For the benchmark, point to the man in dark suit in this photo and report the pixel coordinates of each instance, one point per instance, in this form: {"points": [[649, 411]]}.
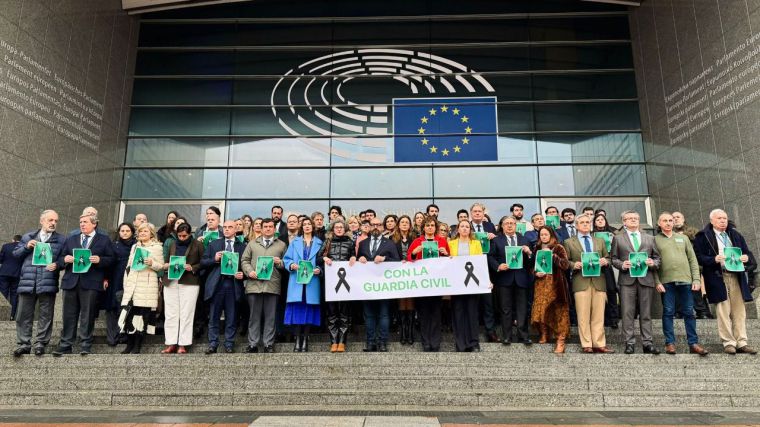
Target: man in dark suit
{"points": [[280, 227], [376, 248], [10, 268], [635, 292], [480, 225], [81, 290], [512, 285], [222, 291]]}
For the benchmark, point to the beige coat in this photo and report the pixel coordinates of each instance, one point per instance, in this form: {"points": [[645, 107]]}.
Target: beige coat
{"points": [[141, 287], [252, 252]]}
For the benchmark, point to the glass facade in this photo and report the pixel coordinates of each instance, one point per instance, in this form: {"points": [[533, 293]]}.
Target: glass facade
{"points": [[265, 102]]}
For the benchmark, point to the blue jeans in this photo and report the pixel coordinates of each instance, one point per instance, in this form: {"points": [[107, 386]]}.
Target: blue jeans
{"points": [[376, 316], [223, 300], [682, 292]]}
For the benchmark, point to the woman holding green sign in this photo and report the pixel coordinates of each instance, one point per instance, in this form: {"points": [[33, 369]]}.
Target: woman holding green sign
{"points": [[551, 310], [140, 300], [302, 307]]}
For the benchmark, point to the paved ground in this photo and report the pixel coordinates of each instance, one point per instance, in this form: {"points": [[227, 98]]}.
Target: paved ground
{"points": [[197, 418]]}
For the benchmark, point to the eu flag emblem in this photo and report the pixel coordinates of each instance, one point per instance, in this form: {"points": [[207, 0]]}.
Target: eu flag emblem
{"points": [[445, 129]]}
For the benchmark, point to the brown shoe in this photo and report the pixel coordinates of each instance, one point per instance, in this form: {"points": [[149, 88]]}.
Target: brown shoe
{"points": [[604, 349], [169, 349], [670, 348], [341, 348], [544, 338], [698, 349], [588, 350], [560, 347], [729, 349], [746, 350], [182, 350], [334, 348]]}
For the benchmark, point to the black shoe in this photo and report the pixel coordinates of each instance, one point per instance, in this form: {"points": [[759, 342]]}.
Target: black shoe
{"points": [[269, 349], [629, 349], [305, 344], [85, 351], [370, 348], [434, 349], [614, 325], [39, 351], [700, 316], [22, 351], [229, 350], [210, 350], [60, 352], [298, 344], [506, 342], [252, 349], [382, 347], [650, 349], [475, 349], [492, 337], [527, 342]]}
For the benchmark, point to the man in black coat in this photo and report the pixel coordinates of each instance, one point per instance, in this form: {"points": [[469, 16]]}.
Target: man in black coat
{"points": [[10, 268], [82, 290]]}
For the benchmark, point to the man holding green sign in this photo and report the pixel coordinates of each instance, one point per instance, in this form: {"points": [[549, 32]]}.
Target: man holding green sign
{"points": [[635, 255]]}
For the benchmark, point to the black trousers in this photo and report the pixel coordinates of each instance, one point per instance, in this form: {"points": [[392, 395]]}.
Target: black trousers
{"points": [[464, 310], [517, 297], [429, 310]]}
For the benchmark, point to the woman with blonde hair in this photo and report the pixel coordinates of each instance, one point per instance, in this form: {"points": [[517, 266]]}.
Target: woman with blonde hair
{"points": [[465, 307], [140, 300], [255, 231]]}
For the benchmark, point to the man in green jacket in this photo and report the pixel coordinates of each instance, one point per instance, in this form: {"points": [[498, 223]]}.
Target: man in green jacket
{"points": [[677, 277]]}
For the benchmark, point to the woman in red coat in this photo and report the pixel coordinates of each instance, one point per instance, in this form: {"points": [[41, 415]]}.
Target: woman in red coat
{"points": [[429, 308]]}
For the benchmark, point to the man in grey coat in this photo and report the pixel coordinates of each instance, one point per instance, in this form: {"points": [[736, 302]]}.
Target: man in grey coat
{"points": [[262, 294], [635, 290]]}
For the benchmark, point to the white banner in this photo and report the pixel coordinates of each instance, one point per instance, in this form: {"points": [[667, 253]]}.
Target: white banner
{"points": [[428, 277]]}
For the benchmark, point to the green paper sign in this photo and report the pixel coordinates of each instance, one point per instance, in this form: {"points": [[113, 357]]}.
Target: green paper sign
{"points": [[138, 261], [522, 227], [591, 265], [264, 267], [552, 221], [544, 261], [240, 238], [209, 236], [733, 261], [230, 262], [514, 257], [43, 255], [82, 261], [305, 272], [176, 267], [607, 237], [639, 265], [485, 244], [429, 249]]}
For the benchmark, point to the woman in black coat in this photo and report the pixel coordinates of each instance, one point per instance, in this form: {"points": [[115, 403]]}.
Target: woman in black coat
{"points": [[338, 247], [121, 248], [612, 308]]}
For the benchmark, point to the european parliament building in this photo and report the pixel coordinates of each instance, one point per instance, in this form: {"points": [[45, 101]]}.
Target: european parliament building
{"points": [[147, 106]]}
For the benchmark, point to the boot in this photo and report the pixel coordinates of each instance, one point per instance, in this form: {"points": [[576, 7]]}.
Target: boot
{"points": [[404, 328], [130, 344], [544, 334], [139, 336], [410, 328], [305, 343], [560, 348], [332, 328], [297, 346]]}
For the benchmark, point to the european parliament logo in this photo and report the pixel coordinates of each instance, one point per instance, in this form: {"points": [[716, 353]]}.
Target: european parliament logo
{"points": [[445, 129]]}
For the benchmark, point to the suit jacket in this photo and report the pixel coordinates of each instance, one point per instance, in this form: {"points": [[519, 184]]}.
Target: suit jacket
{"points": [[10, 266], [487, 227], [622, 246], [214, 268], [574, 251], [386, 248], [282, 231], [522, 277], [92, 280], [706, 248], [294, 255], [562, 234]]}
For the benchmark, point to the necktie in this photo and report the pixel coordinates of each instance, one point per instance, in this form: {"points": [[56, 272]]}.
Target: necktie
{"points": [[724, 237], [229, 246], [587, 243], [85, 241], [479, 228], [635, 238], [572, 230], [512, 241], [375, 244], [266, 243]]}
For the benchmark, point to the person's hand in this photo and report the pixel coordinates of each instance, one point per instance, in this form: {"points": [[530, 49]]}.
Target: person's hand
{"points": [[239, 275], [317, 271], [277, 260], [503, 267], [578, 265], [540, 274], [200, 239], [31, 244], [650, 262], [68, 259], [696, 286], [363, 260], [105, 285], [51, 267], [417, 250], [351, 261], [253, 275], [293, 267], [526, 250], [149, 262], [96, 259], [626, 265], [218, 256], [327, 261], [744, 258], [720, 258], [604, 263], [490, 285], [379, 259], [660, 288], [188, 267], [491, 236]]}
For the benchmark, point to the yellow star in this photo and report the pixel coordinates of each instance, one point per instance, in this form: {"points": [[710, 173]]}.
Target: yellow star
{"points": [[467, 129], [455, 111], [465, 140], [444, 109], [434, 149], [424, 141], [421, 131], [457, 149], [465, 119], [424, 120], [432, 111], [445, 152]]}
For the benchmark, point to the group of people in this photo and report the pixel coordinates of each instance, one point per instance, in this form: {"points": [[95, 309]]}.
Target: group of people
{"points": [[261, 276]]}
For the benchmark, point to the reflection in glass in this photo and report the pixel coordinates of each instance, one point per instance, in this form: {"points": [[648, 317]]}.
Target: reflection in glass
{"points": [[269, 152], [592, 180], [495, 208], [510, 181], [177, 152], [279, 183], [380, 183], [179, 121], [613, 208], [588, 116], [590, 148], [263, 208], [174, 184]]}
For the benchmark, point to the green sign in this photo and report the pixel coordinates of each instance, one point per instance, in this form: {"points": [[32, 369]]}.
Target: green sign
{"points": [[590, 264], [639, 265], [522, 227], [240, 238], [552, 221], [264, 267], [544, 261], [43, 255], [514, 257], [485, 243], [176, 267], [429, 249], [305, 272], [607, 237], [230, 262], [209, 236], [82, 261], [138, 261], [733, 259]]}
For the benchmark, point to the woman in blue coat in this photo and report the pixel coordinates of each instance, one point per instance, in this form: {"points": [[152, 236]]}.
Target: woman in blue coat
{"points": [[112, 305], [302, 308]]}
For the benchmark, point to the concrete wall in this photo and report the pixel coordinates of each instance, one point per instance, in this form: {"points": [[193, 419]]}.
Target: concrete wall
{"points": [[66, 71], [699, 84]]}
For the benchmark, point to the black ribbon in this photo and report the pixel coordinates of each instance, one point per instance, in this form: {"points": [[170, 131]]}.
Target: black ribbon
{"points": [[470, 275], [342, 280]]}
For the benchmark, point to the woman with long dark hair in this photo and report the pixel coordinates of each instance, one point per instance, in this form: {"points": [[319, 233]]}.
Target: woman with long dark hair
{"points": [[338, 247], [112, 305], [551, 312], [612, 307], [403, 236], [168, 227]]}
